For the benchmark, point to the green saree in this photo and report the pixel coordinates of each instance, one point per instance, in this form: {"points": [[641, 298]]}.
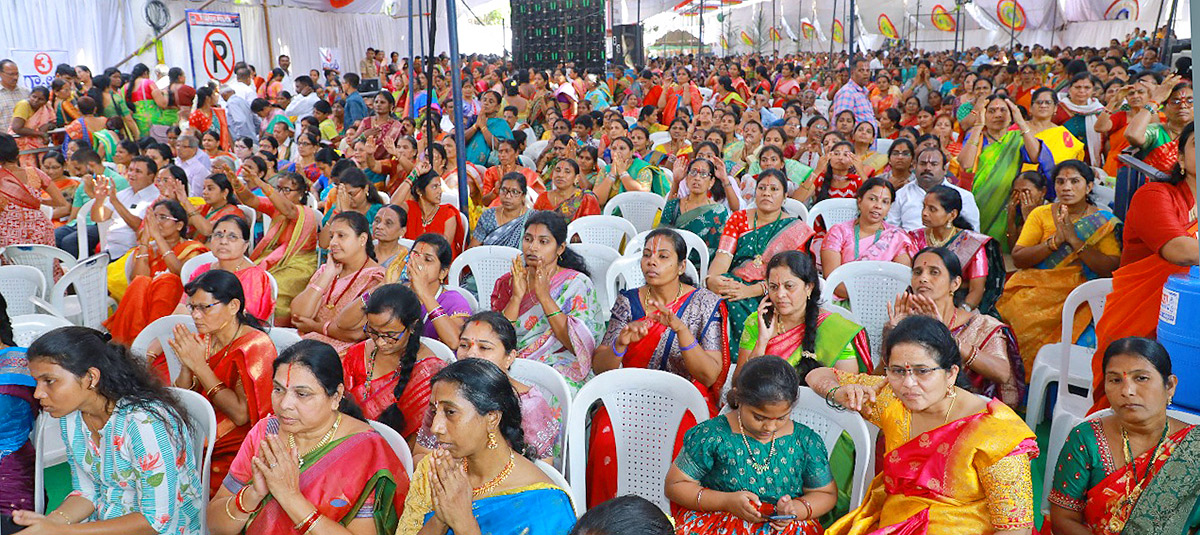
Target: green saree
{"points": [[996, 167]]}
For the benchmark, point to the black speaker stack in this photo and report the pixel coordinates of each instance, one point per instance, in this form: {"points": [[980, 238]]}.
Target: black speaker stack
{"points": [[547, 33], [627, 45]]}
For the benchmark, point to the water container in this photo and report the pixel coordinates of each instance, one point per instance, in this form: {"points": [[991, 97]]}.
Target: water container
{"points": [[1179, 332]]}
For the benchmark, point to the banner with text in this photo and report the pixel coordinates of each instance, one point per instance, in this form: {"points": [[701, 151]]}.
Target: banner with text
{"points": [[215, 45], [37, 66]]}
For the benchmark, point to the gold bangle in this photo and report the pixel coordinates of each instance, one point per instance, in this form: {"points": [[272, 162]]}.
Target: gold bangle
{"points": [[698, 495], [63, 515], [230, 513], [215, 388]]}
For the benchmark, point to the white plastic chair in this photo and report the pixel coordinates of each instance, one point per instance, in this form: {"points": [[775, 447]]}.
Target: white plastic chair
{"points": [[39, 256], [163, 330], [559, 481], [812, 411], [794, 207], [554, 388], [645, 407], [397, 443], [638, 207], [842, 311], [695, 244], [658, 138], [1105, 196], [49, 450], [204, 434], [487, 263], [85, 248], [468, 296], [89, 306], [20, 285], [834, 211], [535, 149], [630, 121], [607, 230], [194, 263], [871, 285], [439, 349], [251, 217], [1064, 362], [29, 327], [283, 337], [626, 273], [598, 259]]}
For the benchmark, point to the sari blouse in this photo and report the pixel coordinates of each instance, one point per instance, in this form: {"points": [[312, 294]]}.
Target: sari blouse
{"points": [[490, 232], [1040, 225], [983, 334], [415, 226], [704, 221], [971, 475], [256, 286], [144, 464], [582, 203], [342, 293], [884, 245], [837, 339], [376, 395], [1158, 213], [974, 264]]}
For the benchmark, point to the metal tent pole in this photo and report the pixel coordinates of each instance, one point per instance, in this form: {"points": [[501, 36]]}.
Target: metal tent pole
{"points": [[1164, 55], [412, 82], [460, 155], [831, 25]]}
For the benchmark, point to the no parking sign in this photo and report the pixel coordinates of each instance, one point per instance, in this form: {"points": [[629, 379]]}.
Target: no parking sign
{"points": [[215, 44]]}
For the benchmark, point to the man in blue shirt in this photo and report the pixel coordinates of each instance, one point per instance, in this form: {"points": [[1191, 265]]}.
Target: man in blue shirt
{"points": [[356, 107], [1149, 63]]}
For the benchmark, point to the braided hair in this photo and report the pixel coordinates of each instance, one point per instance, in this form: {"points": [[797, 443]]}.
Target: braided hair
{"points": [[401, 304]]}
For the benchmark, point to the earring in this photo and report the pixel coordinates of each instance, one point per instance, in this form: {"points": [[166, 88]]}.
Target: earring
{"points": [[491, 443], [951, 392]]}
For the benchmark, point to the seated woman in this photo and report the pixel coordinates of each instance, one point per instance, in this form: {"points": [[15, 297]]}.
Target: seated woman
{"points": [[21, 408], [226, 359], [839, 178], [479, 476], [1029, 192], [504, 224], [387, 374], [1062, 245], [154, 288], [1160, 241], [387, 229], [979, 482], [738, 271], [116, 419], [700, 211], [668, 324], [567, 198], [507, 151], [901, 157], [230, 242], [992, 364], [219, 201], [551, 301], [745, 150], [339, 284], [868, 236], [723, 490], [864, 136], [490, 336], [978, 254], [1125, 472], [352, 193], [426, 213], [629, 173], [288, 248], [314, 463], [799, 176]]}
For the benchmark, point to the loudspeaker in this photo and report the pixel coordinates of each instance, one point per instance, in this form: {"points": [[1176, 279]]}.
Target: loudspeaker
{"points": [[627, 45]]}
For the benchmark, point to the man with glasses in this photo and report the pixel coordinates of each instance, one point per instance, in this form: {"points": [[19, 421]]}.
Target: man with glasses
{"points": [[195, 163], [910, 199], [130, 204]]}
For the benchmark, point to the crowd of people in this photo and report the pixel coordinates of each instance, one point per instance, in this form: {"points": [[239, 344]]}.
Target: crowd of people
{"points": [[338, 215]]}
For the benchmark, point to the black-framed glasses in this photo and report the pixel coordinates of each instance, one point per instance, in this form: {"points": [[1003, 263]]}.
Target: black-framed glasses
{"points": [[203, 309], [899, 373], [509, 192], [390, 336]]}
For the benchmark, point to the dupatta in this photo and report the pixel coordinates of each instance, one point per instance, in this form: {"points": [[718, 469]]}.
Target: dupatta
{"points": [[377, 395], [13, 190], [508, 234], [834, 333], [304, 232], [1110, 502], [756, 247], [1168, 502], [246, 360]]}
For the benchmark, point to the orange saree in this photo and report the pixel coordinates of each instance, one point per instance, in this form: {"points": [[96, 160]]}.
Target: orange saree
{"points": [[150, 297]]}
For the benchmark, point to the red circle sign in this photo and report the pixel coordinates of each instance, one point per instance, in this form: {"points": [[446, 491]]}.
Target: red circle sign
{"points": [[217, 51], [42, 63]]}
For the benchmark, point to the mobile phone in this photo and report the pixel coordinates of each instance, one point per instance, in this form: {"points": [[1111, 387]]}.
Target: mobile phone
{"points": [[272, 425], [781, 517], [769, 314]]}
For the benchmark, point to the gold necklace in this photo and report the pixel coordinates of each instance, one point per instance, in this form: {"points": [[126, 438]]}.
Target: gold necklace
{"points": [[496, 481], [324, 440], [754, 464], [934, 242], [944, 421]]}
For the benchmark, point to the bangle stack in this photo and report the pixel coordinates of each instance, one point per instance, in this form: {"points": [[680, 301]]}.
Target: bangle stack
{"points": [[237, 502], [309, 521], [215, 388], [806, 506], [829, 399], [436, 313]]}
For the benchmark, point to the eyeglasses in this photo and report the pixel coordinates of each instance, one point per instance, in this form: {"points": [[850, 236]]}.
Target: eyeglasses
{"points": [[162, 217], [285, 190], [306, 144], [902, 153], [390, 336], [898, 373], [510, 192], [203, 309], [1179, 101], [1043, 103], [227, 236], [697, 172]]}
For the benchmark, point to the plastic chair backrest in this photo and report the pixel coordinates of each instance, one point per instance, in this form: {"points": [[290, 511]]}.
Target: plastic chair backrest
{"points": [[85, 248], [90, 279], [18, 284], [794, 207], [638, 207], [607, 230], [598, 259], [554, 388], [1094, 293], [695, 244], [283, 337], [534, 149], [871, 286], [833, 211], [645, 407], [658, 138], [251, 217], [162, 329], [812, 411], [560, 481], [626, 273], [487, 263], [38, 256], [439, 349], [468, 296], [49, 450], [28, 327], [840, 310], [397, 442], [204, 436]]}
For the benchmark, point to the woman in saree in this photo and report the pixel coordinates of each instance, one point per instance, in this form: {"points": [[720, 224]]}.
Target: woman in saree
{"points": [[353, 192], [1160, 241], [678, 144], [507, 152], [1062, 245], [288, 248], [313, 463], [479, 480], [219, 201], [387, 229], [1078, 114], [629, 173], [901, 157], [864, 136], [230, 250], [87, 126], [21, 218], [567, 198], [681, 99], [1057, 139], [388, 374], [227, 358], [210, 143], [383, 126], [426, 213], [154, 286], [488, 129], [504, 224], [1127, 471], [551, 301], [339, 284], [993, 153], [669, 324], [839, 177], [722, 491], [978, 481], [146, 99], [884, 95], [979, 255], [749, 239], [700, 211], [1157, 142], [208, 117], [868, 236], [745, 150], [32, 121]]}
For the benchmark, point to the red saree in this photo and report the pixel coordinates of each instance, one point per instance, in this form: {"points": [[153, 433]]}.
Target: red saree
{"points": [[215, 215], [150, 297], [246, 360], [377, 395]]}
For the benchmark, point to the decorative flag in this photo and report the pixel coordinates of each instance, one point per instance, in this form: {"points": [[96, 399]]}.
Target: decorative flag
{"points": [[724, 43], [788, 28], [747, 39], [838, 36], [942, 19], [887, 28], [1122, 10], [1011, 14], [808, 30], [774, 34]]}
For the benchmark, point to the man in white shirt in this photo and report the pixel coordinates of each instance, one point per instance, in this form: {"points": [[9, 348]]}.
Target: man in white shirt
{"points": [[243, 85], [194, 162], [129, 205], [301, 105], [910, 199]]}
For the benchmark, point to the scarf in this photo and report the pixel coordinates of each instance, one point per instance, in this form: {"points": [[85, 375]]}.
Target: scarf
{"points": [[1090, 111]]}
